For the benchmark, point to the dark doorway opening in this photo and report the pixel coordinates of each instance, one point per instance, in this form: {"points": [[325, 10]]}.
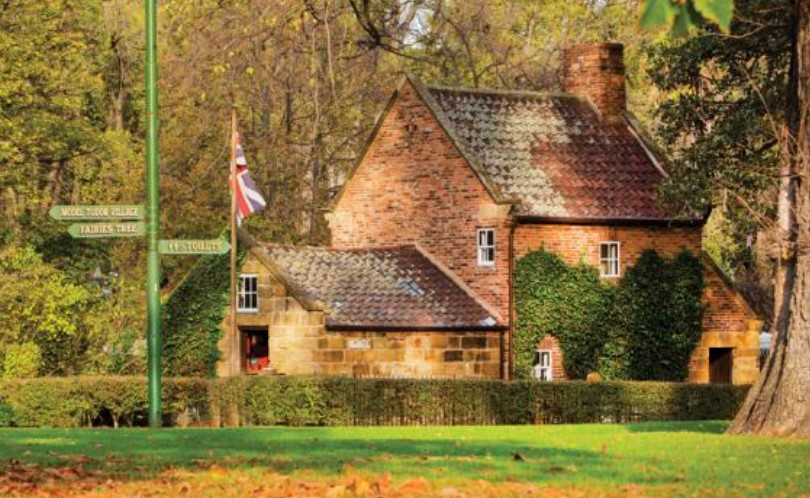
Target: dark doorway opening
{"points": [[256, 350], [721, 361]]}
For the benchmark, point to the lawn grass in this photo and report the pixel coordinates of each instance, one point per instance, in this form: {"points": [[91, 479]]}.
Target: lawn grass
{"points": [[654, 459]]}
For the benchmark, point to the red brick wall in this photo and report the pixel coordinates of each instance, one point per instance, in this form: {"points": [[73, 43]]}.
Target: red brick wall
{"points": [[725, 309], [550, 343], [576, 243], [414, 186]]}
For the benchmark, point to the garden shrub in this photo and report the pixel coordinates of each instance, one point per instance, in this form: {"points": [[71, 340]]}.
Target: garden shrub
{"points": [[569, 303], [21, 360], [290, 400], [6, 414], [84, 401]]}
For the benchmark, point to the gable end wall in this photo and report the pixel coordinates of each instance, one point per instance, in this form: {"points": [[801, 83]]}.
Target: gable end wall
{"points": [[413, 186]]}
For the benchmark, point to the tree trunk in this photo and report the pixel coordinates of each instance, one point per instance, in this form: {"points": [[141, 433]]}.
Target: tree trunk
{"points": [[779, 403]]}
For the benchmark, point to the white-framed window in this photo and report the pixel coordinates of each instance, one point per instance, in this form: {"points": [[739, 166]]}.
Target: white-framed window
{"points": [[609, 259], [543, 364], [486, 247], [248, 295]]}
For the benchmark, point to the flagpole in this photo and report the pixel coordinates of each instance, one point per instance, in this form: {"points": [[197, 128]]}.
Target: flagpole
{"points": [[233, 349]]}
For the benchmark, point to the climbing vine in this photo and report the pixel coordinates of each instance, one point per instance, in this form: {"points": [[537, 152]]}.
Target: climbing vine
{"points": [[644, 328], [656, 319], [193, 317], [569, 303]]}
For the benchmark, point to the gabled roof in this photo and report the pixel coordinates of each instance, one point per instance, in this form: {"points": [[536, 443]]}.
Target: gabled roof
{"points": [[393, 288], [555, 153], [550, 154]]}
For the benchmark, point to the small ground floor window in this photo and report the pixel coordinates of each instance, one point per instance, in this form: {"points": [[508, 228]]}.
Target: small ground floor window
{"points": [[542, 365], [256, 350]]}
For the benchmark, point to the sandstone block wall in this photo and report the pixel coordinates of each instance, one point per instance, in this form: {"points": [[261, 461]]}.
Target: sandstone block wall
{"points": [[299, 343]]}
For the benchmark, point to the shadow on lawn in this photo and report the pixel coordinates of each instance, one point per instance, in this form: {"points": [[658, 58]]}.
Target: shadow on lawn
{"points": [[135, 455], [704, 426]]}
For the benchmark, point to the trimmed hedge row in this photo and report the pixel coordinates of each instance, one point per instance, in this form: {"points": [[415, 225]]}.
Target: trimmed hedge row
{"points": [[297, 401]]}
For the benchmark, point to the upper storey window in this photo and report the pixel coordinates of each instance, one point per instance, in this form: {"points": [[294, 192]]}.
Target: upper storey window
{"points": [[609, 259], [486, 247]]}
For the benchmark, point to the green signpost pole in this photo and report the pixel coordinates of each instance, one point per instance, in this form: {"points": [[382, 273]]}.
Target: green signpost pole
{"points": [[153, 334]]}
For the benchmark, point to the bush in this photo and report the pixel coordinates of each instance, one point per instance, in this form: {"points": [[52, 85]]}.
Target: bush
{"points": [[88, 401], [6, 415], [21, 360], [84, 401]]}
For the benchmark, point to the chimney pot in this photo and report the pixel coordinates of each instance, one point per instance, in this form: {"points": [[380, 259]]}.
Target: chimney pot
{"points": [[596, 71]]}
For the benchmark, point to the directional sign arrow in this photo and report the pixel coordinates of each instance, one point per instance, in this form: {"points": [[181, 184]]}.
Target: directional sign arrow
{"points": [[178, 246], [97, 213], [111, 229]]}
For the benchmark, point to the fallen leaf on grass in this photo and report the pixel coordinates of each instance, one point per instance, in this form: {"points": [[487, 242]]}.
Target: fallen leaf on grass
{"points": [[80, 458], [450, 492], [413, 486], [336, 491]]}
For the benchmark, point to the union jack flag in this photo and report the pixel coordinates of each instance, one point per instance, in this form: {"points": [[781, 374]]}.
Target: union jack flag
{"points": [[248, 198]]}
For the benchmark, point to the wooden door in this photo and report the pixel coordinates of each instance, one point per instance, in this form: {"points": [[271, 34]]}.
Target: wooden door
{"points": [[720, 365]]}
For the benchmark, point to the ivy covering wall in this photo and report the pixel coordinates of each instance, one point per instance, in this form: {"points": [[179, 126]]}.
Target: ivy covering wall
{"points": [[193, 315], [567, 302], [644, 327]]}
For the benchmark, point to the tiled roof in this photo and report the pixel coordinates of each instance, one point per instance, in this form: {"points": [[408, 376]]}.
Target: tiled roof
{"points": [[552, 153], [384, 287]]}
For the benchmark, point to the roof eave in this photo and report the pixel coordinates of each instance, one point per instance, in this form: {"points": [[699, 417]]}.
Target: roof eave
{"points": [[617, 221], [414, 328]]}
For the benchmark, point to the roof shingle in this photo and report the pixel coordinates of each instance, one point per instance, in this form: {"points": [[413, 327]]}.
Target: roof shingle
{"points": [[394, 287], [553, 153]]}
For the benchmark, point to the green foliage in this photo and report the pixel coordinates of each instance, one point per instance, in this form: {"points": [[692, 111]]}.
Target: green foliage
{"points": [[332, 401], [657, 319], [21, 360], [720, 121], [645, 328], [39, 305], [6, 413], [569, 303], [51, 94], [683, 15], [193, 315], [85, 401]]}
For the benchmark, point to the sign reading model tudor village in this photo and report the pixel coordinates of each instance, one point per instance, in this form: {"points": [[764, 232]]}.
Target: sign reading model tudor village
{"points": [[97, 213]]}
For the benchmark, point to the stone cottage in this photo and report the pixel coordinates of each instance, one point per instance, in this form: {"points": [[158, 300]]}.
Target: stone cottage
{"points": [[456, 185]]}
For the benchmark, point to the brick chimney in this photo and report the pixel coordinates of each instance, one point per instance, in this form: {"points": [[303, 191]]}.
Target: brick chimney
{"points": [[596, 71]]}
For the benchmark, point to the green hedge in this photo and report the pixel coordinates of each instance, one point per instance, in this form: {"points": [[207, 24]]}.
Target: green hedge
{"points": [[88, 401], [298, 401]]}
